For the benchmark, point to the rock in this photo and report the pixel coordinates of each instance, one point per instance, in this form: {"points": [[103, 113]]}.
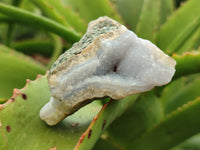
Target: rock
{"points": [[109, 60]]}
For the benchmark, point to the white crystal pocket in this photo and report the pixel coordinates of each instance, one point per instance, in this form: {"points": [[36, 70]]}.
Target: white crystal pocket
{"points": [[109, 60]]}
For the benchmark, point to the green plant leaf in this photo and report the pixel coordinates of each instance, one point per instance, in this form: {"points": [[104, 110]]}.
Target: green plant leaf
{"points": [[166, 9], [34, 46], [21, 127], [142, 115], [130, 11], [187, 89], [192, 43], [173, 129], [187, 63], [51, 12], [34, 20], [44, 47], [169, 130], [3, 31], [73, 18], [145, 15], [180, 27], [15, 69], [184, 36], [57, 11], [192, 143], [90, 9], [57, 49], [103, 144], [106, 116], [149, 19]]}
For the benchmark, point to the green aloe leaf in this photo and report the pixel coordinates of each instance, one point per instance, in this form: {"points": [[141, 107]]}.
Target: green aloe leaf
{"points": [[34, 46], [192, 43], [57, 48], [15, 69], [149, 19], [192, 143], [183, 37], [187, 89], [64, 15], [142, 115], [143, 13], [34, 20], [50, 11], [44, 47], [130, 11], [173, 129], [180, 27], [21, 127], [166, 9], [3, 32], [169, 130], [90, 9], [70, 16], [105, 117], [103, 144], [187, 63]]}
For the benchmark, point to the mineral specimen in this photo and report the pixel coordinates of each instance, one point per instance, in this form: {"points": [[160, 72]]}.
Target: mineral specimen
{"points": [[109, 60]]}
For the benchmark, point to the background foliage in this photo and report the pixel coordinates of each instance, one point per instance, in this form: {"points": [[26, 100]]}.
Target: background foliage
{"points": [[33, 33]]}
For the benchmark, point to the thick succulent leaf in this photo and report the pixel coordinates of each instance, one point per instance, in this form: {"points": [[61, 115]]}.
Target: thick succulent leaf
{"points": [[90, 9], [71, 17], [28, 5], [15, 69], [192, 143], [21, 127], [106, 116], [3, 30], [50, 11], [192, 43], [173, 129], [170, 131], [23, 33], [57, 49], [166, 9], [149, 19], [187, 63], [180, 27], [44, 47], [64, 15], [103, 144], [144, 13], [187, 89], [33, 46], [183, 37], [130, 11], [26, 17], [140, 116]]}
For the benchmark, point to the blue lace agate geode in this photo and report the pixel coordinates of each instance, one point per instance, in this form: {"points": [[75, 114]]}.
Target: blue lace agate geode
{"points": [[109, 60]]}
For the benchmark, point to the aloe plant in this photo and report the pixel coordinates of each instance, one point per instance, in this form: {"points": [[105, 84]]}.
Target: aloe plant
{"points": [[163, 118]]}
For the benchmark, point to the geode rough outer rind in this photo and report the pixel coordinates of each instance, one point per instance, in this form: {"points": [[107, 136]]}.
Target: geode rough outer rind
{"points": [[109, 60]]}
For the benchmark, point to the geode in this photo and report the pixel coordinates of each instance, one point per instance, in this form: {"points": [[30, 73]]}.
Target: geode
{"points": [[109, 60]]}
